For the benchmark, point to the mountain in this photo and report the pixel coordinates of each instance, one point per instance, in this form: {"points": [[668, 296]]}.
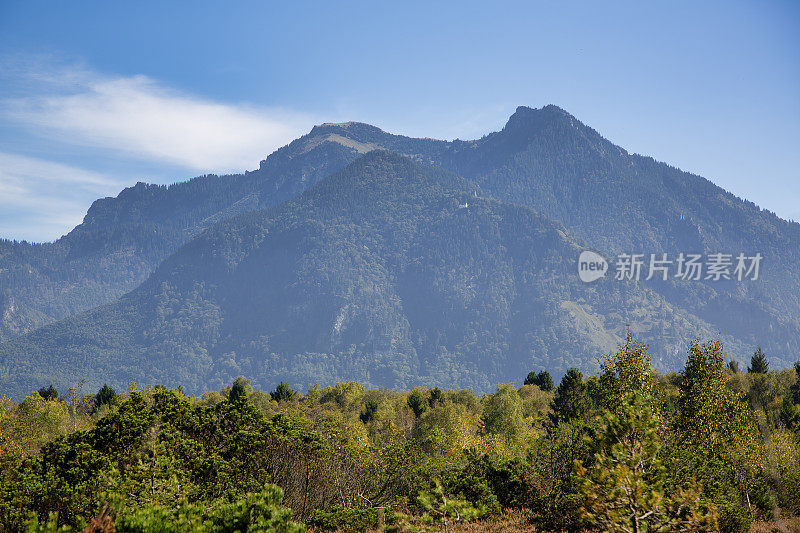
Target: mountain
{"points": [[618, 202], [294, 272], [389, 272], [123, 239]]}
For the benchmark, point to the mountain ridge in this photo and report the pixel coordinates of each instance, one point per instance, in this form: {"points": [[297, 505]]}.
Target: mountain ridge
{"points": [[377, 273], [543, 159]]}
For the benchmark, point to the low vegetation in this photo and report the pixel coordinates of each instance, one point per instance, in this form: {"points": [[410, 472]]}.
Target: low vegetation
{"points": [[627, 450]]}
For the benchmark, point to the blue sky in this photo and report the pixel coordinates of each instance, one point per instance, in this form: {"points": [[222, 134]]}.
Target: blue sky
{"points": [[97, 98]]}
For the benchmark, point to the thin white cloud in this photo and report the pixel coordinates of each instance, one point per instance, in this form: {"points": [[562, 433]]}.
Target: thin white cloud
{"points": [[139, 117], [41, 200], [136, 122]]}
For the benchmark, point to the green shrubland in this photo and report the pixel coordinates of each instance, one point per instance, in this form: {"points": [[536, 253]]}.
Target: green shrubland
{"points": [[627, 450]]}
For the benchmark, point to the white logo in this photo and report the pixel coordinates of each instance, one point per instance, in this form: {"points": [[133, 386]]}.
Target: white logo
{"points": [[591, 266], [634, 267]]}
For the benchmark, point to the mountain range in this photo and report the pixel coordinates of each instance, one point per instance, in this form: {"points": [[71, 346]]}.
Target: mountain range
{"points": [[352, 253]]}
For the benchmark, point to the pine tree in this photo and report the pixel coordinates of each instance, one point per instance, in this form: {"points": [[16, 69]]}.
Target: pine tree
{"points": [[105, 396], [571, 401], [758, 363], [541, 379], [624, 488], [282, 393]]}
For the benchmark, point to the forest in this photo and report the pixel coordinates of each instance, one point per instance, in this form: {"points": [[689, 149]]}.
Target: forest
{"points": [[712, 447]]}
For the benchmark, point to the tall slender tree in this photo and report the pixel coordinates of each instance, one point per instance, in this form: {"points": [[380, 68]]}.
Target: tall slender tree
{"points": [[571, 401], [758, 363]]}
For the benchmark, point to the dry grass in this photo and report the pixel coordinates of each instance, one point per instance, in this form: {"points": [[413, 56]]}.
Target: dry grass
{"points": [[779, 525], [519, 520], [508, 522]]}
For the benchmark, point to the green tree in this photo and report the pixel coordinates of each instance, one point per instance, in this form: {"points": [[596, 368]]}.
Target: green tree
{"points": [[282, 393], [416, 401], [502, 412], [445, 429], [790, 414], [541, 379], [240, 389], [105, 396], [370, 408], [435, 397], [571, 401], [237, 393], [715, 425], [794, 388], [758, 363], [624, 488], [790, 410], [710, 413], [627, 370], [48, 393]]}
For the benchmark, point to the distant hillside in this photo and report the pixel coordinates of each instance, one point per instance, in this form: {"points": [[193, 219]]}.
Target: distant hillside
{"points": [[617, 202], [544, 163], [123, 239], [387, 272]]}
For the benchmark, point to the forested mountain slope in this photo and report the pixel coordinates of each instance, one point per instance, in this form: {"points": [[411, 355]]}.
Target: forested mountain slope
{"points": [[616, 202], [123, 239], [597, 194], [390, 272]]}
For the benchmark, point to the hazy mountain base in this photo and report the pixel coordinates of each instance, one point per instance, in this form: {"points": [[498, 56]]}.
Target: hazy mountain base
{"points": [[377, 274]]}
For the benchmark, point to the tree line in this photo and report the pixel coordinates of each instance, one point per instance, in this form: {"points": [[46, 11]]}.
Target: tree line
{"points": [[628, 449]]}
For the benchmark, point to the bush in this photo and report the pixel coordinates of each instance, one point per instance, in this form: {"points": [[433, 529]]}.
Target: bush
{"points": [[349, 520], [257, 512]]}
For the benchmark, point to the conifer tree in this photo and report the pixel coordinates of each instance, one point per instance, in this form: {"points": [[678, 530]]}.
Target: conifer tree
{"points": [[571, 401], [624, 488], [541, 379], [758, 363]]}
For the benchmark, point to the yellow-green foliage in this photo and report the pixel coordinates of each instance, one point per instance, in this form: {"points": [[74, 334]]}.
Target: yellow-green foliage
{"points": [[627, 371], [446, 429], [623, 489], [712, 415], [692, 446]]}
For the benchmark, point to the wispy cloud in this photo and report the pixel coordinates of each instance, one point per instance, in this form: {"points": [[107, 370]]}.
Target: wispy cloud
{"points": [[142, 118], [41, 200], [132, 123]]}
